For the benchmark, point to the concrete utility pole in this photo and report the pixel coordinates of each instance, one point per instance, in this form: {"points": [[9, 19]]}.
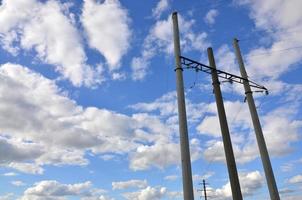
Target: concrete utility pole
{"points": [[269, 174], [233, 175], [183, 129]]}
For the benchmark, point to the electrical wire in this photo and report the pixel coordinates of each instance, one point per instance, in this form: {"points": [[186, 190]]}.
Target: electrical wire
{"points": [[201, 5], [228, 62], [196, 77], [275, 51], [292, 30]]}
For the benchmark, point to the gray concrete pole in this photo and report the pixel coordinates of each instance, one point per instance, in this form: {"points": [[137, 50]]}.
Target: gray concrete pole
{"points": [[227, 143], [183, 129], [269, 174]]}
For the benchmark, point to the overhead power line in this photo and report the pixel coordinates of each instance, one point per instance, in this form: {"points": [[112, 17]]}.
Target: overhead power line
{"points": [[212, 4], [275, 51]]}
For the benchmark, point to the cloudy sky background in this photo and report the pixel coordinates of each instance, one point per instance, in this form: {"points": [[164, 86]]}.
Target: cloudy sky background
{"points": [[88, 105]]}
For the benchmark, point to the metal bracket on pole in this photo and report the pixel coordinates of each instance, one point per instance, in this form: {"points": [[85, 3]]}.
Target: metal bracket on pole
{"points": [[192, 64]]}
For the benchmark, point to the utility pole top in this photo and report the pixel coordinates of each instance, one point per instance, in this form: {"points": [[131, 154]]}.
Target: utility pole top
{"points": [[235, 39]]}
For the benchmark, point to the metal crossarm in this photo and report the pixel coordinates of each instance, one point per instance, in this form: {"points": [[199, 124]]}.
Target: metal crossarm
{"points": [[192, 64]]}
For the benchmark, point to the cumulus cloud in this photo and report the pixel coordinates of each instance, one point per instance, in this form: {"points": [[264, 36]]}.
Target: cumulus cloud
{"points": [[237, 113], [161, 6], [275, 125], [18, 183], [9, 196], [33, 25], [211, 16], [160, 40], [104, 22], [250, 182], [296, 179], [10, 174], [146, 156], [149, 193], [17, 152], [199, 178], [50, 190], [280, 20], [26, 167], [60, 132], [121, 185], [166, 107], [171, 177]]}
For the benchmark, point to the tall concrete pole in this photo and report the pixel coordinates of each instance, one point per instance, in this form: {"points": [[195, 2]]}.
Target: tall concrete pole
{"points": [[227, 143], [269, 174], [182, 117]]}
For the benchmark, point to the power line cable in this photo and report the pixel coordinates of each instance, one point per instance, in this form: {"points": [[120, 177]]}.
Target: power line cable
{"points": [[201, 5], [275, 51], [228, 62], [293, 30]]}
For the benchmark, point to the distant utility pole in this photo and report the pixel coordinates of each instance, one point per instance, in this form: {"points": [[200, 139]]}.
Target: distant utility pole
{"points": [[204, 189], [227, 143], [182, 117], [269, 174]]}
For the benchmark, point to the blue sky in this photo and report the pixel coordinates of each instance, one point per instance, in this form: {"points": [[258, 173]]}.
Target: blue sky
{"points": [[88, 104]]}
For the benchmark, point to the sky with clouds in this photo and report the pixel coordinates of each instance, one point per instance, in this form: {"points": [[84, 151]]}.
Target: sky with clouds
{"points": [[88, 105]]}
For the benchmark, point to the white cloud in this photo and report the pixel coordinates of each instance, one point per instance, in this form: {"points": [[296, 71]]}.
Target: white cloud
{"points": [[278, 123], [160, 40], [161, 7], [292, 197], [175, 195], [18, 183], [31, 168], [287, 167], [9, 196], [275, 125], [17, 152], [39, 26], [250, 182], [149, 193], [147, 156], [50, 189], [199, 178], [237, 114], [121, 185], [10, 174], [107, 28], [211, 16], [166, 107], [171, 177], [295, 179], [280, 20], [59, 132], [241, 129], [107, 157], [118, 76]]}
